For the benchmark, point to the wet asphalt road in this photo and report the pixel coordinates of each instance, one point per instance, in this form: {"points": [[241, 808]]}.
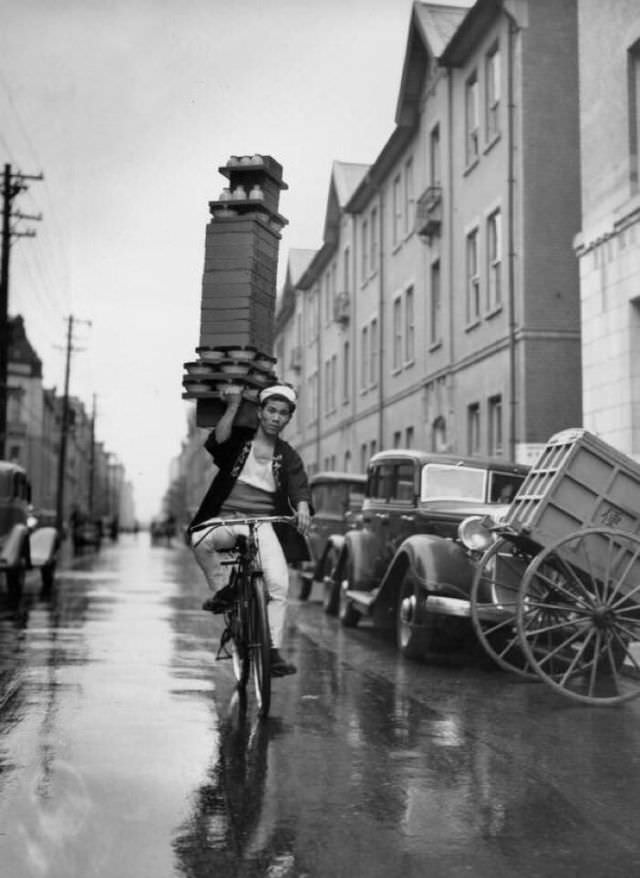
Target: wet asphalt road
{"points": [[123, 753]]}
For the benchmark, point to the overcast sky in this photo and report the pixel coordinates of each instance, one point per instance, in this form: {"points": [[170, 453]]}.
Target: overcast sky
{"points": [[129, 107]]}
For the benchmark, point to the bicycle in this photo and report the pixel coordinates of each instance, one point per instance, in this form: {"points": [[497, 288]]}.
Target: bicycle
{"points": [[247, 623]]}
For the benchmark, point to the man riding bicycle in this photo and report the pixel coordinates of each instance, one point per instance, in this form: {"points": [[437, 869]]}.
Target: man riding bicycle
{"points": [[258, 474]]}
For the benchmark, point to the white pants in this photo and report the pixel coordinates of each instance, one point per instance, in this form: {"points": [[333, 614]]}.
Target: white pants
{"points": [[272, 561]]}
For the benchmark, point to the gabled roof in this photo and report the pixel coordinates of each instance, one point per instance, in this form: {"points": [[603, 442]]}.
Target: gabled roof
{"points": [[345, 178], [431, 28], [297, 263], [20, 349]]}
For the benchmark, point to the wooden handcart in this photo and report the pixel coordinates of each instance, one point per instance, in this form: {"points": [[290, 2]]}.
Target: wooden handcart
{"points": [[557, 595]]}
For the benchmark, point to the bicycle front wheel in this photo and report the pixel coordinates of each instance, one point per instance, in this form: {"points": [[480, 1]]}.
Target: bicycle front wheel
{"points": [[260, 645]]}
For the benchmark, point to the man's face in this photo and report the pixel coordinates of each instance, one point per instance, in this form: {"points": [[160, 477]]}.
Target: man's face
{"points": [[273, 416]]}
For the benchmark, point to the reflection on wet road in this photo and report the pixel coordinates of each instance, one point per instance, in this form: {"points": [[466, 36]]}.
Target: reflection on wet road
{"points": [[124, 751]]}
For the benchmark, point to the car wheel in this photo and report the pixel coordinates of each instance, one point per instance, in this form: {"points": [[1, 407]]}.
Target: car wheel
{"points": [[47, 575], [349, 616], [331, 582], [413, 639], [15, 581], [330, 596], [305, 584]]}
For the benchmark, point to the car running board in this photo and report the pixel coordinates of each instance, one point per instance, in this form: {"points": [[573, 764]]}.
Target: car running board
{"points": [[362, 599]]}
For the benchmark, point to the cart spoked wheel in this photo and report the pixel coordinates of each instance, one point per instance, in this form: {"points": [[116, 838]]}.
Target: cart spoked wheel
{"points": [[494, 604], [579, 615]]}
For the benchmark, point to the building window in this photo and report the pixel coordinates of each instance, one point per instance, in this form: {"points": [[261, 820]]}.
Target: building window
{"points": [[473, 428], [493, 93], [397, 439], [346, 371], [473, 278], [435, 304], [346, 266], [373, 447], [364, 457], [435, 170], [472, 125], [495, 425], [409, 326], [373, 228], [373, 352], [409, 197], [408, 438], [397, 333], [327, 298], [312, 396], [364, 248], [397, 210], [494, 258], [364, 357]]}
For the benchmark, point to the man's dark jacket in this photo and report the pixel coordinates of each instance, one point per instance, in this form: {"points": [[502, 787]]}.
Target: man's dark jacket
{"points": [[289, 475]]}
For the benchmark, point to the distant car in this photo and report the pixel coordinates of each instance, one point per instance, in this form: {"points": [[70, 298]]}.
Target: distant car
{"points": [[337, 500], [24, 544], [405, 567]]}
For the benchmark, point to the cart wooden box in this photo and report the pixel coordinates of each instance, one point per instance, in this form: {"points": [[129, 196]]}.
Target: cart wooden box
{"points": [[579, 481]]}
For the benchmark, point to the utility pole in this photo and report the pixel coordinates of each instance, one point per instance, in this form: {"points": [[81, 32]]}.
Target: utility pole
{"points": [[62, 454], [64, 426], [13, 183], [92, 458]]}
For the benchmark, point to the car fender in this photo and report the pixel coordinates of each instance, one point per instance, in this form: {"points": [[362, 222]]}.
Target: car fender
{"points": [[360, 547], [437, 565], [16, 547], [334, 542], [43, 545]]}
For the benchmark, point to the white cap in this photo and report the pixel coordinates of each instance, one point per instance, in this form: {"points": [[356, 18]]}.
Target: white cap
{"points": [[282, 390]]}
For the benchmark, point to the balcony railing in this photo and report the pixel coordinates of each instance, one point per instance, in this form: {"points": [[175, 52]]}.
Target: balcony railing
{"points": [[429, 212], [341, 308]]}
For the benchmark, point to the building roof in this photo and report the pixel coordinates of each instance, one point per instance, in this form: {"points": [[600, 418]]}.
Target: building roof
{"points": [[467, 36], [297, 263], [20, 349], [346, 177], [431, 28], [298, 260]]}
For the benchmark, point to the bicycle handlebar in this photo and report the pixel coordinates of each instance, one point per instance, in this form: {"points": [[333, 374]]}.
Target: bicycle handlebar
{"points": [[253, 519]]}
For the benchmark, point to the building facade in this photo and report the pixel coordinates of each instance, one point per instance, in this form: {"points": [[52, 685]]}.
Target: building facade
{"points": [[442, 310], [608, 245]]}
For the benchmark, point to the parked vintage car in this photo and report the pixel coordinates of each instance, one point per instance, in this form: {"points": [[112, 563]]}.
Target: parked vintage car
{"points": [[337, 500], [24, 542], [405, 567]]}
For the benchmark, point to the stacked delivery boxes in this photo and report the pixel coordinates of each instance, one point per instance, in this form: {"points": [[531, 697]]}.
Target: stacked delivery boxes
{"points": [[238, 290]]}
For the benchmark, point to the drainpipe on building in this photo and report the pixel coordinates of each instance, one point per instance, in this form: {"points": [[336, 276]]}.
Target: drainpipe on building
{"points": [[319, 381], [451, 417], [381, 329], [511, 236]]}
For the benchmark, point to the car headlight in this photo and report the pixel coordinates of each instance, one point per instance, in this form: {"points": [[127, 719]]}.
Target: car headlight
{"points": [[475, 534], [32, 522]]}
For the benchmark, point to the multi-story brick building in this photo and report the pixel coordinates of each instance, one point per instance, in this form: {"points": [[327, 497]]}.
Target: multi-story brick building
{"points": [[442, 310], [608, 246]]}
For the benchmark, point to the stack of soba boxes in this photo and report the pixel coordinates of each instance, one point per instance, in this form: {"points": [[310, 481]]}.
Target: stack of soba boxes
{"points": [[238, 291]]}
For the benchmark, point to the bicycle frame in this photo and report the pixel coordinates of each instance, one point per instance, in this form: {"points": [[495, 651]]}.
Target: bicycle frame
{"points": [[247, 623]]}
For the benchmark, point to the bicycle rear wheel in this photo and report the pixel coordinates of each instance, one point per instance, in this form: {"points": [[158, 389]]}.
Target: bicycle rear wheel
{"points": [[260, 645]]}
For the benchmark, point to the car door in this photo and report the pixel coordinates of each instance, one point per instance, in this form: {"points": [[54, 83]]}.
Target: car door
{"points": [[389, 507]]}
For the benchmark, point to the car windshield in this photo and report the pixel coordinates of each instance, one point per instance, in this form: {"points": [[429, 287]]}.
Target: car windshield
{"points": [[332, 499], [445, 482]]}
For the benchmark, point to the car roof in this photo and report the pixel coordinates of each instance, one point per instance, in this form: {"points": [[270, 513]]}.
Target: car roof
{"points": [[7, 466], [335, 476], [422, 457]]}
